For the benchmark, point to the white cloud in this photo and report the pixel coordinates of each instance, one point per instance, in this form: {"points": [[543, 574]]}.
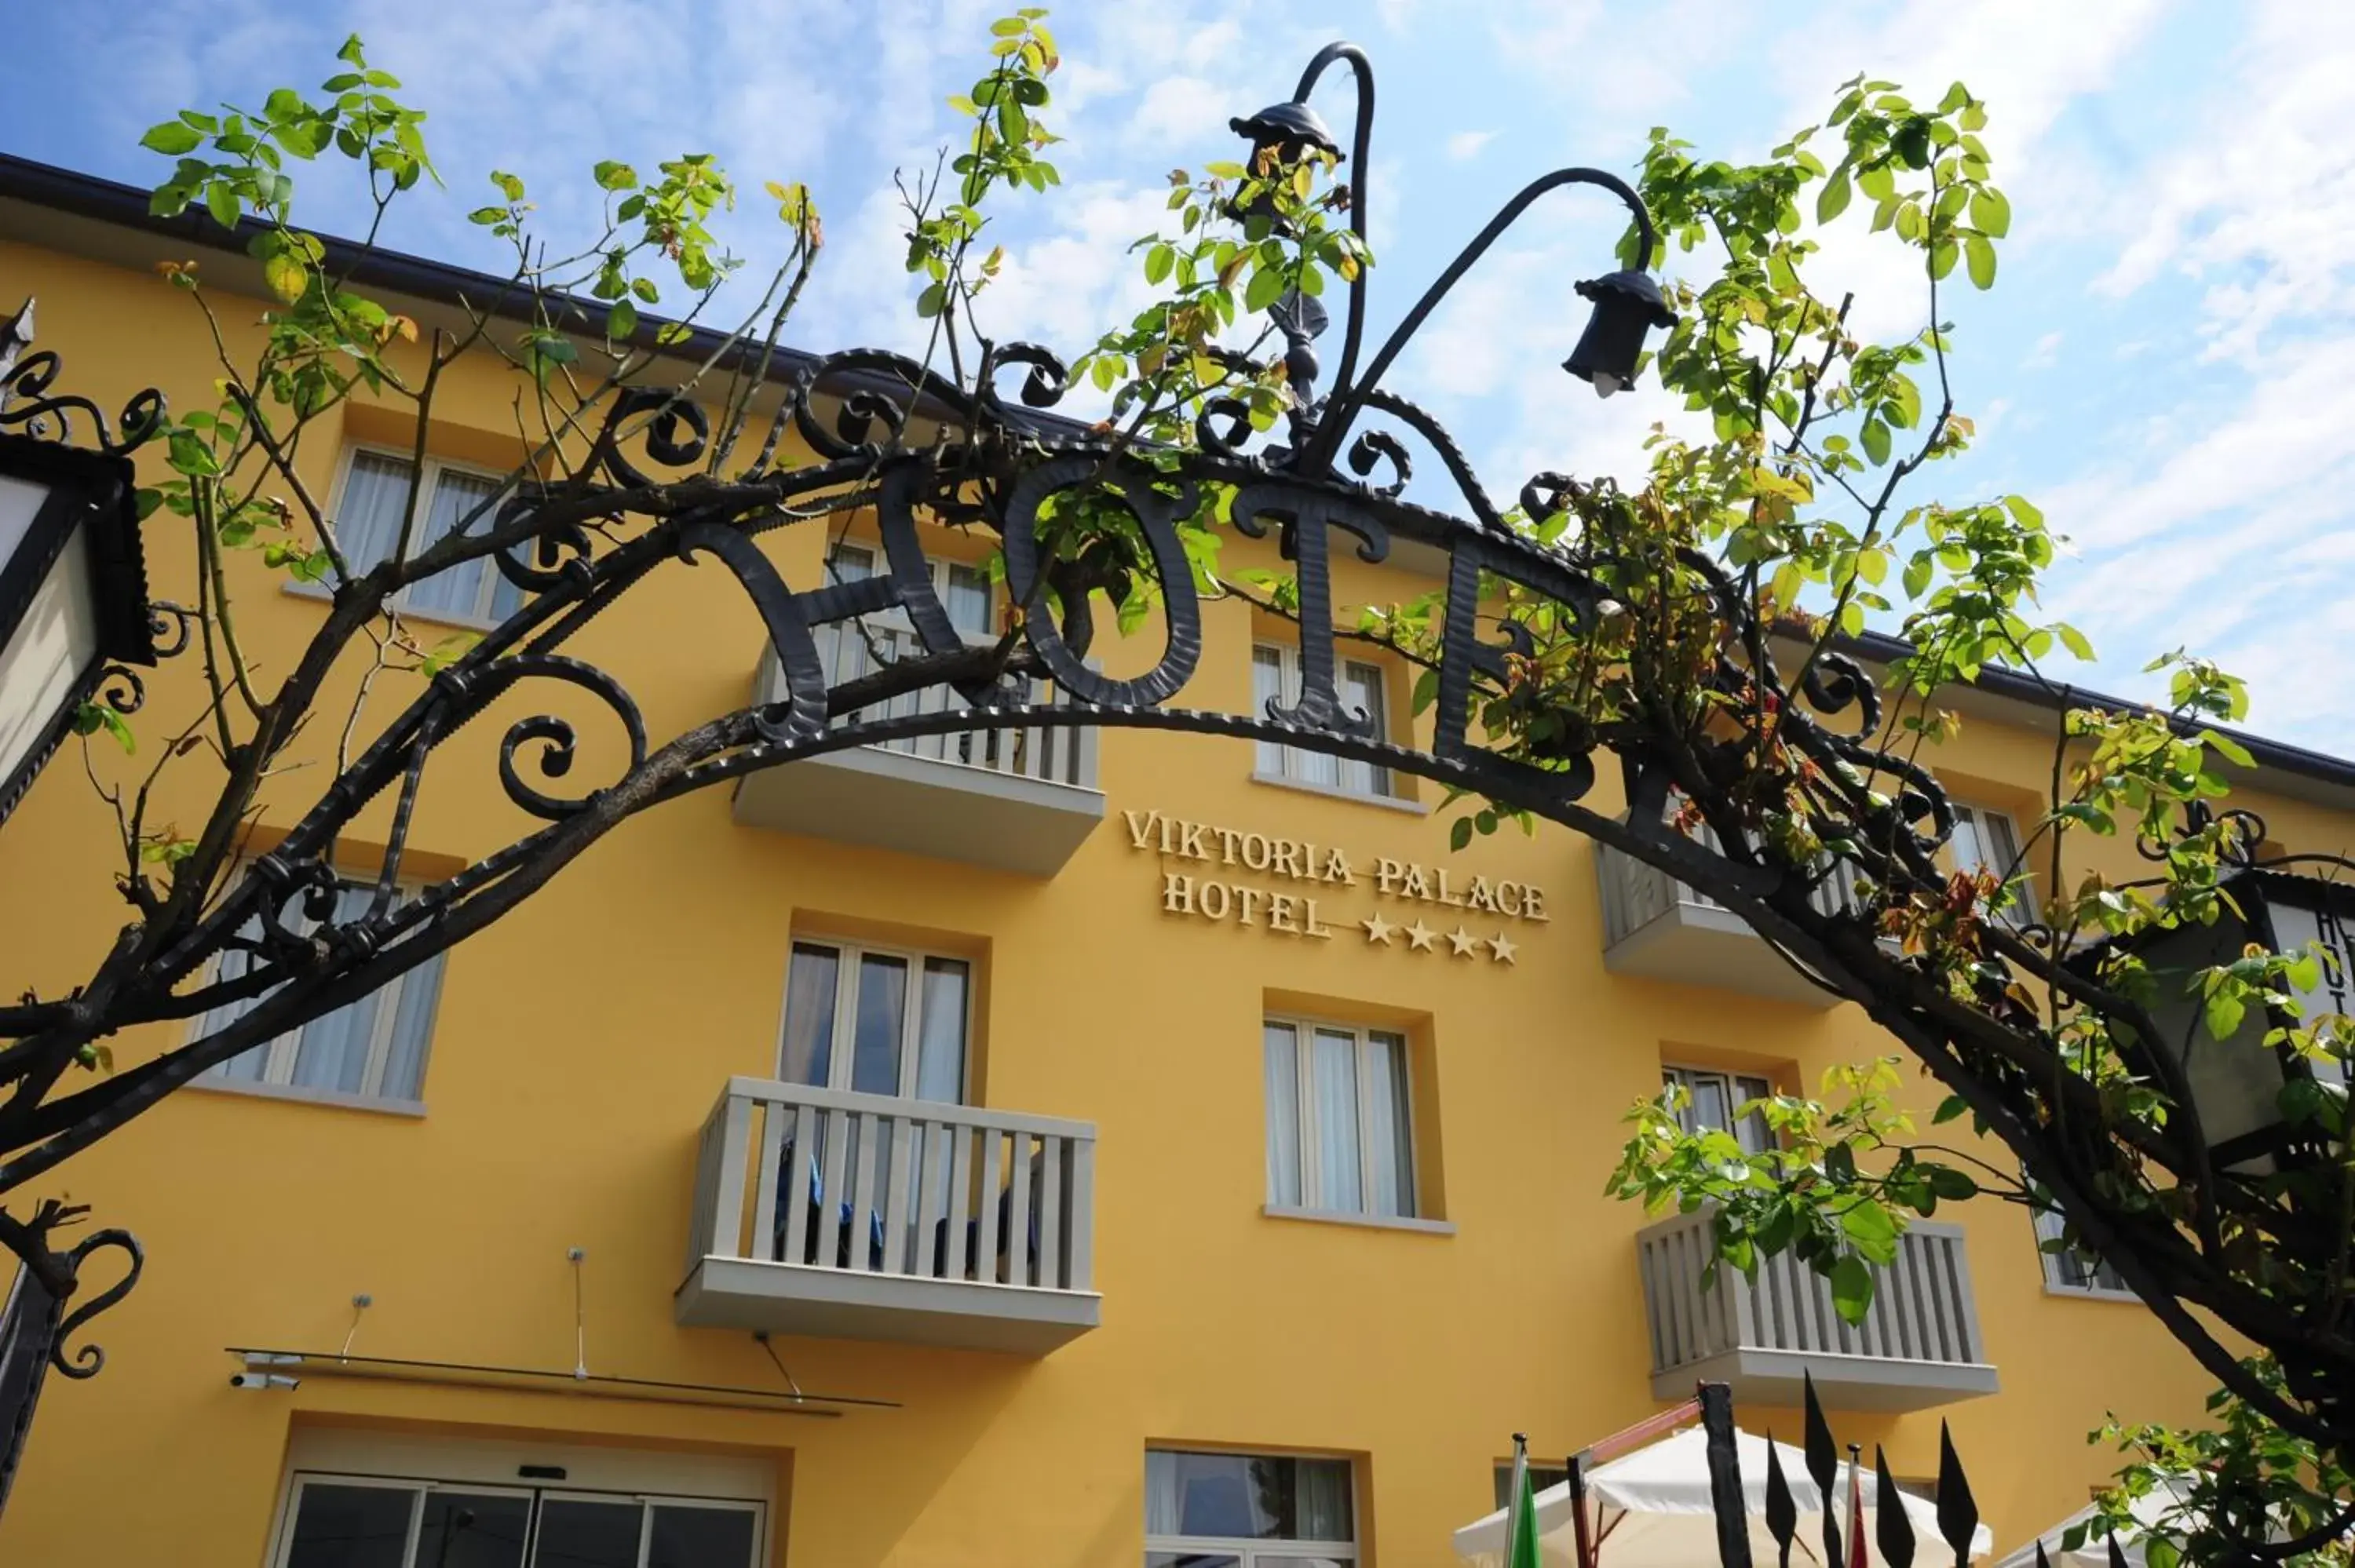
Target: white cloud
{"points": [[2045, 354], [1467, 144]]}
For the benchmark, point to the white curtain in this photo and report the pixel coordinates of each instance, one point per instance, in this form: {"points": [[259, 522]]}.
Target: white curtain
{"points": [[806, 1057], [459, 590], [332, 1053], [1333, 1085], [376, 493], [1361, 692], [1267, 685], [1389, 1138], [940, 1038], [1283, 1068], [1323, 1500]]}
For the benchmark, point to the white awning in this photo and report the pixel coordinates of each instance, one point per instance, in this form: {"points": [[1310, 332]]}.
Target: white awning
{"points": [[1652, 1511]]}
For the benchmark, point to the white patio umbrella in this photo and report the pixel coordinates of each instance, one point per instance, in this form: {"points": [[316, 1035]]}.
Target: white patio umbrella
{"points": [[1651, 1509], [2146, 1510]]}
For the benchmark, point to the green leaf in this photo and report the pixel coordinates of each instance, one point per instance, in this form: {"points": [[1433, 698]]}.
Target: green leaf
{"points": [[1917, 574], [1265, 288], [487, 214], [171, 138], [190, 455], [2025, 514], [929, 302], [1835, 197], [1978, 252], [1851, 1283], [1949, 1109], [1876, 441], [622, 322], [615, 176], [509, 186], [221, 202], [1990, 212], [1158, 262], [1010, 26], [1459, 833], [1950, 1183], [1867, 1225], [2224, 1012], [2074, 641], [286, 275]]}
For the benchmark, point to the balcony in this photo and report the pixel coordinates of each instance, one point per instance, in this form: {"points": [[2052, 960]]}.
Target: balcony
{"points": [[1013, 799], [842, 1215], [1918, 1347], [1655, 926]]}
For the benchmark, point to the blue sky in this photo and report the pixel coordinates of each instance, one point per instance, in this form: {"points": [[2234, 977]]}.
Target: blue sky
{"points": [[2167, 364]]}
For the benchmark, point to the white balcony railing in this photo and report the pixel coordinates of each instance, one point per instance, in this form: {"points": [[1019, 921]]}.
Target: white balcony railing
{"points": [[1918, 1346], [1055, 756], [1654, 924], [870, 1216], [1020, 800]]}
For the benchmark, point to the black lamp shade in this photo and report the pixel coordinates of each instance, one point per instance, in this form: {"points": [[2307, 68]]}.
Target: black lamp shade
{"points": [[73, 594], [2236, 1083], [1627, 306], [1291, 129]]}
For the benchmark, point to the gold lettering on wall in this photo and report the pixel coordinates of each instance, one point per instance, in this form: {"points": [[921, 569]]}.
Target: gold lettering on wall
{"points": [[1221, 899]]}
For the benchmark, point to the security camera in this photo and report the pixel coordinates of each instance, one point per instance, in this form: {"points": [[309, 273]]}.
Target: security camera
{"points": [[263, 1379]]}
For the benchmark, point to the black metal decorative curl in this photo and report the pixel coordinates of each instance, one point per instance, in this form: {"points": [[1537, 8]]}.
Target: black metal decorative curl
{"points": [[88, 1360]]}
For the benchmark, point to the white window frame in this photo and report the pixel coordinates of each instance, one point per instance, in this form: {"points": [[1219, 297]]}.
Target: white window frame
{"points": [[879, 564], [281, 1050], [1311, 1198], [2077, 1273], [2022, 909], [841, 1050], [1541, 1476], [1288, 759], [428, 476], [1248, 1552], [419, 1487], [1734, 1085]]}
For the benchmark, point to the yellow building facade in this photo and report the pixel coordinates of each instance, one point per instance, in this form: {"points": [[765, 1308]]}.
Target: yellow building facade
{"points": [[1062, 1115]]}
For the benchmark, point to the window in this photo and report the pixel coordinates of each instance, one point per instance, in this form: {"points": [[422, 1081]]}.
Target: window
{"points": [[1712, 1098], [1541, 1477], [852, 648], [1986, 839], [368, 516], [372, 1049], [876, 1020], [1246, 1510], [1275, 676], [362, 1521], [2073, 1269], [1340, 1126]]}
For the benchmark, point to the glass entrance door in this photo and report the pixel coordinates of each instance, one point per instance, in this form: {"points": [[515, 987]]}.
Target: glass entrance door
{"points": [[371, 1521]]}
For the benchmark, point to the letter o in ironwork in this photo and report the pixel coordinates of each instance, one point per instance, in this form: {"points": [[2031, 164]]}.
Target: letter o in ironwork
{"points": [[1157, 515]]}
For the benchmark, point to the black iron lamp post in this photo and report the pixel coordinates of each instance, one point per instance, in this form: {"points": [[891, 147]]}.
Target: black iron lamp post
{"points": [[2238, 1085], [73, 589], [1628, 304]]}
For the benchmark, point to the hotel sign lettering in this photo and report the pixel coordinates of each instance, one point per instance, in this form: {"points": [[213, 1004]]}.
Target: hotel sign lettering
{"points": [[1292, 887]]}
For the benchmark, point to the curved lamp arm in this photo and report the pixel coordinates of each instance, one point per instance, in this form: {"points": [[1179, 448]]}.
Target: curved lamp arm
{"points": [[1347, 399], [1360, 140]]}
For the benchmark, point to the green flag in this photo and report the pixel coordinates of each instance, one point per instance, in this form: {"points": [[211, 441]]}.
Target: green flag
{"points": [[1521, 1524]]}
